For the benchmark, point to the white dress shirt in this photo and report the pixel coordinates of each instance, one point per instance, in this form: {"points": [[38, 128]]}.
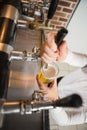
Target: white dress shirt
{"points": [[75, 82]]}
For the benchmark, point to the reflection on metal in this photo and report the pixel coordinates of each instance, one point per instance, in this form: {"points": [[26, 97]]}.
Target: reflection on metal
{"points": [[10, 12], [34, 9], [38, 103], [31, 24], [5, 48], [25, 56], [1, 119], [27, 107], [22, 82]]}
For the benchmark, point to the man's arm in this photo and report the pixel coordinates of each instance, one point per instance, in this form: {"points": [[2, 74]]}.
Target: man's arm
{"points": [[76, 59], [64, 118], [50, 52]]}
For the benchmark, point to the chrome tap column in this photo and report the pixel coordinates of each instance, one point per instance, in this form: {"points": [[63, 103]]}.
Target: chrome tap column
{"points": [[9, 12]]}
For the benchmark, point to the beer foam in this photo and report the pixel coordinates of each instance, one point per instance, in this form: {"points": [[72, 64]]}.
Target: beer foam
{"points": [[49, 72]]}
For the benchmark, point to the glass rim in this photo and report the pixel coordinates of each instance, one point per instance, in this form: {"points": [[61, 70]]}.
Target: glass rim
{"points": [[55, 66]]}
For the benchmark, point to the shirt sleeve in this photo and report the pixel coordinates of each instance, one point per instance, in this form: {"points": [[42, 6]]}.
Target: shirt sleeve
{"points": [[76, 59], [63, 118]]}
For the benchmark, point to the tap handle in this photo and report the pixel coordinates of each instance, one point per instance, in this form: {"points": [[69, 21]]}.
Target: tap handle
{"points": [[52, 8], [73, 100], [51, 11], [60, 35]]}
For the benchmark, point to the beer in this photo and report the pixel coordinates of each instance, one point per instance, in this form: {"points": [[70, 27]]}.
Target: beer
{"points": [[47, 75]]}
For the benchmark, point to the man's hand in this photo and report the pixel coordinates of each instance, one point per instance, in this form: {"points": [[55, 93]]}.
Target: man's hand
{"points": [[50, 92], [50, 52], [62, 51]]}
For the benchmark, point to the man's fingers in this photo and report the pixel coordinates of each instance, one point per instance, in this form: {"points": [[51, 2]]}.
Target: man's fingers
{"points": [[50, 52], [51, 41], [41, 85], [48, 59], [62, 51], [38, 81], [63, 46]]}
